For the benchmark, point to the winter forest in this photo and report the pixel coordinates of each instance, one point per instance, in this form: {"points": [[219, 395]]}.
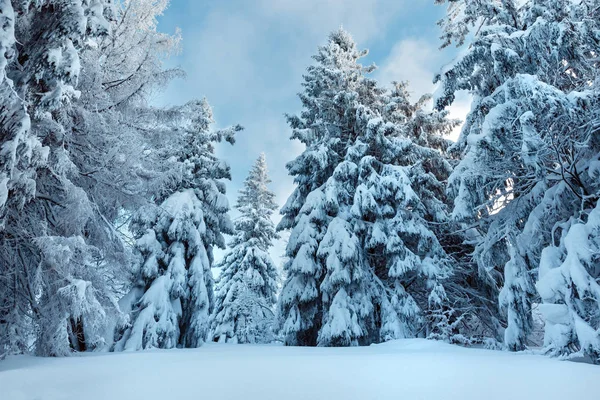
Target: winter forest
{"points": [[406, 227]]}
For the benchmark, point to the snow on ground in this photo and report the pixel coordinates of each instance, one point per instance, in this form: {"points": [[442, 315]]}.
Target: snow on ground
{"points": [[400, 370]]}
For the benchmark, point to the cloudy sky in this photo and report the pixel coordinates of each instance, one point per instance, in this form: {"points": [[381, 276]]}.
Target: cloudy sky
{"points": [[248, 56]]}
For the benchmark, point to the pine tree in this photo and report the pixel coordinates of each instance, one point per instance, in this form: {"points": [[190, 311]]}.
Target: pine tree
{"points": [[360, 216], [173, 295], [247, 286], [336, 79], [529, 69]]}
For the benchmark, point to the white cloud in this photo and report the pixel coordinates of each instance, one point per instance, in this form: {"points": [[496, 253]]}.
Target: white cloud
{"points": [[248, 57], [417, 61], [459, 110], [366, 19], [413, 60]]}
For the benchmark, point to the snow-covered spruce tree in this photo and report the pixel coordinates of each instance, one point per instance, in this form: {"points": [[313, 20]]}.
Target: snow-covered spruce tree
{"points": [[569, 276], [570, 290], [44, 42], [20, 150], [421, 150], [20, 154], [364, 264], [336, 79], [530, 70], [173, 293], [300, 299], [397, 208], [247, 286], [73, 308]]}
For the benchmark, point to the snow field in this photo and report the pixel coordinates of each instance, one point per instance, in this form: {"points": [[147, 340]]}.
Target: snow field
{"points": [[412, 369]]}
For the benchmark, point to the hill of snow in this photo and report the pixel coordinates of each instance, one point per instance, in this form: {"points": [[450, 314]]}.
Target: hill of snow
{"points": [[406, 369]]}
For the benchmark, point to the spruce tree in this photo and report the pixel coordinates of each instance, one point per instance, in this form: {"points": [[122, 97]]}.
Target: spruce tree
{"points": [[20, 154], [524, 147], [42, 44], [336, 80], [172, 297], [21, 150], [247, 286], [570, 290], [364, 263]]}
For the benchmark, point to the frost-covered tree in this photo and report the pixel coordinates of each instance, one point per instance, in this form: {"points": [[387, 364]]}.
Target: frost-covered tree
{"points": [[20, 149], [566, 224], [20, 154], [530, 68], [436, 281], [335, 79], [88, 151], [247, 286], [42, 45], [364, 263], [172, 297], [570, 288], [76, 299]]}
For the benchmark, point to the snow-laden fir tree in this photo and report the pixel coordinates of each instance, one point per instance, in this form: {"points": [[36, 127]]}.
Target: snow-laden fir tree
{"points": [[418, 146], [246, 290], [172, 297], [20, 151], [20, 154], [335, 79], [364, 264], [42, 44], [570, 289], [525, 149], [569, 269]]}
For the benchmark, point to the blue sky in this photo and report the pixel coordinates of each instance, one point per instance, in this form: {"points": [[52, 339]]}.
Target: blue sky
{"points": [[247, 58]]}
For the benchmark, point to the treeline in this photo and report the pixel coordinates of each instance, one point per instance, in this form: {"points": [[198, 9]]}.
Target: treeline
{"points": [[110, 208]]}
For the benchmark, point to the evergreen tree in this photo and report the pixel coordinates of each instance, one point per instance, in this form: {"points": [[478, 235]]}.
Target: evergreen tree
{"points": [[247, 286], [336, 79], [82, 150], [362, 235], [530, 70], [173, 293], [419, 149], [570, 290], [20, 154], [20, 149], [566, 224], [42, 44]]}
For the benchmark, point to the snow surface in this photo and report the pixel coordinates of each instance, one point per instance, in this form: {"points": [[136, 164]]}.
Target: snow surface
{"points": [[405, 369]]}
